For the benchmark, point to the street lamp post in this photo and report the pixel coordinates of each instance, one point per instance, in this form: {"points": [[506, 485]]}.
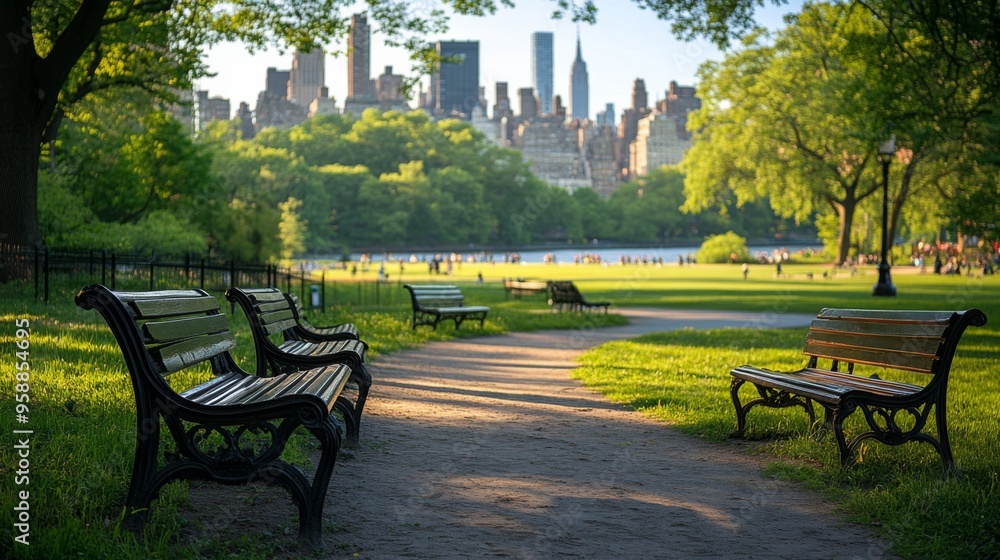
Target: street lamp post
{"points": [[884, 287]]}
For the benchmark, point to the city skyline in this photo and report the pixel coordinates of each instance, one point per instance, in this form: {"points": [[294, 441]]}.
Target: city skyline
{"points": [[625, 44]]}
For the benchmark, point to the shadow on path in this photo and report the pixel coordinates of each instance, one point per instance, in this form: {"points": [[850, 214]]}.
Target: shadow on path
{"points": [[487, 448]]}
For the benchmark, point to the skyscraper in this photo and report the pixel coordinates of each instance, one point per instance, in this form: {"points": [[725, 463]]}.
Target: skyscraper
{"points": [[307, 76], [542, 68], [455, 85], [640, 99], [359, 82], [579, 94], [277, 83]]}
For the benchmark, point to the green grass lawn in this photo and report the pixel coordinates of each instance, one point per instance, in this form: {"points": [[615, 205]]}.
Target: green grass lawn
{"points": [[82, 409]]}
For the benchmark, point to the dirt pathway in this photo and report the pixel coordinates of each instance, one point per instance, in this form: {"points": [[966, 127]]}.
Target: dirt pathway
{"points": [[486, 448]]}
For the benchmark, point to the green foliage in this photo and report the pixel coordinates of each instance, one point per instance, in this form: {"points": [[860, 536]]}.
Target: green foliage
{"points": [[126, 162], [163, 233], [65, 220], [724, 248], [291, 229]]}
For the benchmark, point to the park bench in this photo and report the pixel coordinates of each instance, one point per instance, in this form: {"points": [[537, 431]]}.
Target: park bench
{"points": [[518, 288], [896, 412], [232, 428], [270, 314], [563, 294], [433, 303], [306, 331]]}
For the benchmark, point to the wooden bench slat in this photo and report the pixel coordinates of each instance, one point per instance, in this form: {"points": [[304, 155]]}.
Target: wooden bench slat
{"points": [[168, 307], [176, 329], [880, 328], [305, 348], [878, 315], [185, 353], [879, 386], [272, 306], [279, 327], [927, 347], [265, 295], [272, 317], [878, 358]]}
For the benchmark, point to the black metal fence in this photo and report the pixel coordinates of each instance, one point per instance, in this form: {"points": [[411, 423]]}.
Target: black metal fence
{"points": [[40, 266]]}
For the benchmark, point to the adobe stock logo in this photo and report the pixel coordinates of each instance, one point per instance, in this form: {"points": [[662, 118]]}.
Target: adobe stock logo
{"points": [[22, 38]]}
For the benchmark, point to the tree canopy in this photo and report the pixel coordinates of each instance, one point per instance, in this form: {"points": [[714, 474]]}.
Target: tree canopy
{"points": [[799, 118]]}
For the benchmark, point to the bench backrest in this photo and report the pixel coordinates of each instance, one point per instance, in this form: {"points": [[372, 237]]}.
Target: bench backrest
{"points": [[435, 295], [164, 331], [564, 292], [921, 341], [270, 307]]}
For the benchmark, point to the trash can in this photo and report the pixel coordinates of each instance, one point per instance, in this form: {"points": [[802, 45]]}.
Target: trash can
{"points": [[314, 296]]}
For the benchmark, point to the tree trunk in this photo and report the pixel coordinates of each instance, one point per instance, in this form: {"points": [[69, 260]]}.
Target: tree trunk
{"points": [[845, 211], [29, 90], [20, 139], [20, 148]]}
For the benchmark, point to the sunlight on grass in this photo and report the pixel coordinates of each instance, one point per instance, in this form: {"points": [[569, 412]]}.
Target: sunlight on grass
{"points": [[82, 407]]}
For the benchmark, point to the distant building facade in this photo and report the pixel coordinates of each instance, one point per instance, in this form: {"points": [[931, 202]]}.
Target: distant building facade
{"points": [[657, 143], [542, 68], [454, 87], [208, 109], [307, 76], [529, 103], [277, 83], [552, 150], [359, 39]]}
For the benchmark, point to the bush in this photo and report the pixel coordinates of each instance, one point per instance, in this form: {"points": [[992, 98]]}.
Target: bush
{"points": [[723, 248]]}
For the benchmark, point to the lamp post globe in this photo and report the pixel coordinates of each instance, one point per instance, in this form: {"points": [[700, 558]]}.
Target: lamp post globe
{"points": [[884, 287]]}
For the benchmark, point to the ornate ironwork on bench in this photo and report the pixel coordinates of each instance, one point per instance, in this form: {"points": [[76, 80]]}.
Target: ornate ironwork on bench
{"points": [[433, 303], [230, 429], [272, 316], [895, 412]]}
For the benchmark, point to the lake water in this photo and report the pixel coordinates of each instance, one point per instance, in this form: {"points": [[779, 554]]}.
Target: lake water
{"points": [[581, 253]]}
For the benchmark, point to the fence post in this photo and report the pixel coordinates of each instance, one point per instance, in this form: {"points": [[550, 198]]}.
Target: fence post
{"points": [[187, 266], [152, 274], [104, 266], [90, 263], [232, 273], [302, 284], [36, 270], [322, 289], [114, 269]]}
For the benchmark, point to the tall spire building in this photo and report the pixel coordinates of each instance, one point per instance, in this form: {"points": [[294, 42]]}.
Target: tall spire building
{"points": [[579, 89], [542, 68]]}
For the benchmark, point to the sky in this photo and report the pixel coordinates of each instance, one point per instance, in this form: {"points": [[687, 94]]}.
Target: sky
{"points": [[626, 43]]}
